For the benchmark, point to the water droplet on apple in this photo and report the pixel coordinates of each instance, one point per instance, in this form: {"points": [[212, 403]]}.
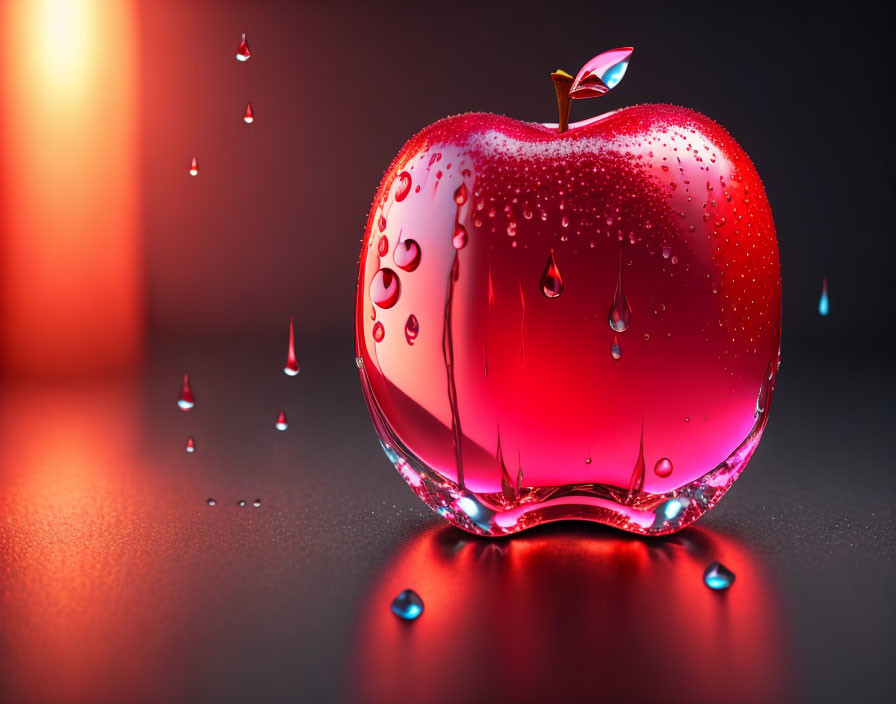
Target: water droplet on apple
{"points": [[248, 118], [663, 467], [191, 446], [564, 221], [460, 195], [281, 423], [382, 247], [411, 329], [379, 332], [385, 288], [242, 52], [403, 186], [459, 240], [407, 255], [186, 400], [210, 501], [194, 167], [551, 281], [381, 223], [620, 313], [256, 503], [241, 503]]}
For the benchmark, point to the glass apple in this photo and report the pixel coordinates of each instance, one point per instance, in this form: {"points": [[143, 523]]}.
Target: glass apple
{"points": [[570, 321]]}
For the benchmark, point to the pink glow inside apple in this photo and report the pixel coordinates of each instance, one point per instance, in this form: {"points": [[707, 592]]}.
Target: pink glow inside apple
{"points": [[582, 325]]}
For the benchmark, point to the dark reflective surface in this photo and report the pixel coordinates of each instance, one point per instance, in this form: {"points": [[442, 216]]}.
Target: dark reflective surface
{"points": [[569, 610], [118, 583]]}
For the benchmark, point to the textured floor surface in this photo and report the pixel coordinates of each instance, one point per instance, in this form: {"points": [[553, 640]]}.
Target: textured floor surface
{"points": [[119, 583]]}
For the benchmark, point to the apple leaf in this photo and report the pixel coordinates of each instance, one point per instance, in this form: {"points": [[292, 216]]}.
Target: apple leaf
{"points": [[601, 74]]}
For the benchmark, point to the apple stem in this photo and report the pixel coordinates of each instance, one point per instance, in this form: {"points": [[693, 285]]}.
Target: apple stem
{"points": [[562, 83]]}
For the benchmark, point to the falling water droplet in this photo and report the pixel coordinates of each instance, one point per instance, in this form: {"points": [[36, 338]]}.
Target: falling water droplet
{"points": [[717, 576], [407, 605], [824, 305], [241, 503], [460, 195], [407, 255], [663, 467], [551, 281], [459, 240], [248, 118], [186, 400], [620, 313], [411, 329], [191, 446], [402, 186], [616, 350], [385, 288], [379, 332], [291, 368], [194, 167], [282, 423], [243, 53], [210, 502], [256, 503]]}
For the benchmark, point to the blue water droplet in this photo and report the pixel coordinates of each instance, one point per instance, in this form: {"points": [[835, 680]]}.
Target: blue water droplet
{"points": [[614, 74], [823, 305], [407, 605], [717, 576]]}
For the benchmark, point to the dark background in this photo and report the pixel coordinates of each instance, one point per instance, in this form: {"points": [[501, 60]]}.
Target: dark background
{"points": [[117, 581], [273, 226]]}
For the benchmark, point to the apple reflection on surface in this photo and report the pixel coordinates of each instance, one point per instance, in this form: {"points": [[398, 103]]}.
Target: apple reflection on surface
{"points": [[571, 611]]}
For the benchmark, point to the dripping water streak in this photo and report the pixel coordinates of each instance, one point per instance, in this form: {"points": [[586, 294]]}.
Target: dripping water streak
{"points": [[637, 481], [448, 354]]}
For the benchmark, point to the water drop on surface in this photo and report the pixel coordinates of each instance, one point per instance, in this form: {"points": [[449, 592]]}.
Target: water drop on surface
{"points": [[256, 503], [240, 503], [718, 577], [411, 329], [291, 368], [824, 306], [407, 605], [663, 467], [382, 247], [407, 255], [385, 288], [616, 350], [551, 281], [379, 332], [242, 52], [402, 186], [194, 167], [210, 502], [186, 400], [460, 195], [191, 446], [248, 118], [282, 423], [620, 314], [459, 240]]}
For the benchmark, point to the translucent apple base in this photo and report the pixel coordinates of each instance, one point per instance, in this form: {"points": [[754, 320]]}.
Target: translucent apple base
{"points": [[494, 514]]}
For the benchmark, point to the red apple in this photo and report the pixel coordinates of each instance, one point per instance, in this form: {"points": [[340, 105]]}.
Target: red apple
{"points": [[570, 324]]}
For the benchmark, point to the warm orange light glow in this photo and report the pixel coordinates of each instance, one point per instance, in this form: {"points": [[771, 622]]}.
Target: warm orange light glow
{"points": [[69, 269]]}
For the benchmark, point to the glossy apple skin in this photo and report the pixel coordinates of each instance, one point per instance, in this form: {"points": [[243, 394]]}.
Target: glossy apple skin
{"points": [[505, 405]]}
